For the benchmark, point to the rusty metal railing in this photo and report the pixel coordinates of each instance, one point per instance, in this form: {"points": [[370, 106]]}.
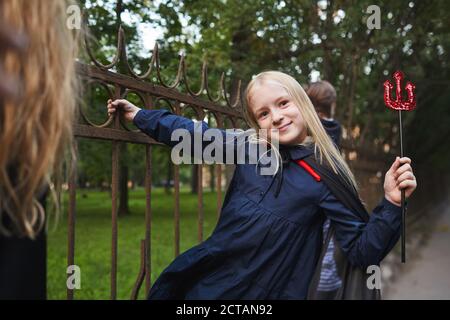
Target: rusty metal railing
{"points": [[151, 93], [119, 86]]}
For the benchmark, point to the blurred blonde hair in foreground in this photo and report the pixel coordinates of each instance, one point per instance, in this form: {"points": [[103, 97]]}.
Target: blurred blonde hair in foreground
{"points": [[35, 130]]}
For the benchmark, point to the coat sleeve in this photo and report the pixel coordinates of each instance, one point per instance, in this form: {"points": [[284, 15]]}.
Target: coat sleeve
{"points": [[171, 129], [364, 243]]}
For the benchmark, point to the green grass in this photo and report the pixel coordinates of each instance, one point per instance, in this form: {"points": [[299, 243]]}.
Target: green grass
{"points": [[93, 240]]}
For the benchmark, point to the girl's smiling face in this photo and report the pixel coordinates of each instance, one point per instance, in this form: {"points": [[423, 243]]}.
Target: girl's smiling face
{"points": [[273, 108]]}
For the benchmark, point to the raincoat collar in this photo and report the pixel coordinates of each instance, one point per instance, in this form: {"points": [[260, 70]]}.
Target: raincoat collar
{"points": [[296, 152], [288, 154]]}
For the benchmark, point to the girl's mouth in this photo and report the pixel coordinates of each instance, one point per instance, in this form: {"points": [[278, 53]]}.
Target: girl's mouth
{"points": [[285, 127]]}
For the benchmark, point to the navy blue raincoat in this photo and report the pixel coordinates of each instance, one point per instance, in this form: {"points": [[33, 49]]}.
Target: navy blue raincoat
{"points": [[267, 242]]}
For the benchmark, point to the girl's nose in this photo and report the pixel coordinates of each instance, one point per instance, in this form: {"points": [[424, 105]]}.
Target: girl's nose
{"points": [[277, 117]]}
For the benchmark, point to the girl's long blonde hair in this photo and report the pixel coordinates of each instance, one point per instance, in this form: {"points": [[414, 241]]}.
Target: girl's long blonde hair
{"points": [[324, 148], [35, 130]]}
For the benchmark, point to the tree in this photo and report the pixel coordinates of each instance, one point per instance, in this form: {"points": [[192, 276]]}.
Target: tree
{"points": [[307, 39], [328, 37]]}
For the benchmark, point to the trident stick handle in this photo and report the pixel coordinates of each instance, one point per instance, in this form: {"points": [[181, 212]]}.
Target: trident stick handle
{"points": [[403, 233]]}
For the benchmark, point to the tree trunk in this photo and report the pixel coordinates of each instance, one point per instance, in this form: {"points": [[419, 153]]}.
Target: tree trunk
{"points": [[123, 191], [240, 42], [212, 174], [169, 178], [241, 39], [194, 179]]}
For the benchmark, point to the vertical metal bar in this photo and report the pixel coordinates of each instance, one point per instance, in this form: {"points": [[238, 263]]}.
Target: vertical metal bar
{"points": [[220, 124], [115, 173], [148, 215], [176, 174], [114, 193], [141, 275], [200, 201], [219, 188], [148, 207], [71, 216]]}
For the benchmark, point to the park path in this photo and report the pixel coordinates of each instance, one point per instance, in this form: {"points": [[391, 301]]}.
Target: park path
{"points": [[427, 276]]}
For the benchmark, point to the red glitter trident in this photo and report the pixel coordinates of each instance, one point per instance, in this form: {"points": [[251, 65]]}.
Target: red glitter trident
{"points": [[400, 105]]}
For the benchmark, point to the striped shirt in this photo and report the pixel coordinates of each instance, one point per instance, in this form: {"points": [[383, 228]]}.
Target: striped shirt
{"points": [[329, 278]]}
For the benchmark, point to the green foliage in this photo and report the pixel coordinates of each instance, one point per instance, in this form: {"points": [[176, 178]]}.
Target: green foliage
{"points": [[330, 37], [300, 37]]}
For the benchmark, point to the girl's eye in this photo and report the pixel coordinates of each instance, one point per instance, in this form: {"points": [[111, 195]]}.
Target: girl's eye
{"points": [[284, 103], [263, 114]]}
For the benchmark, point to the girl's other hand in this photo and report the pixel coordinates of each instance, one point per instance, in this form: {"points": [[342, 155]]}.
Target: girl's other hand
{"points": [[128, 109], [399, 176]]}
